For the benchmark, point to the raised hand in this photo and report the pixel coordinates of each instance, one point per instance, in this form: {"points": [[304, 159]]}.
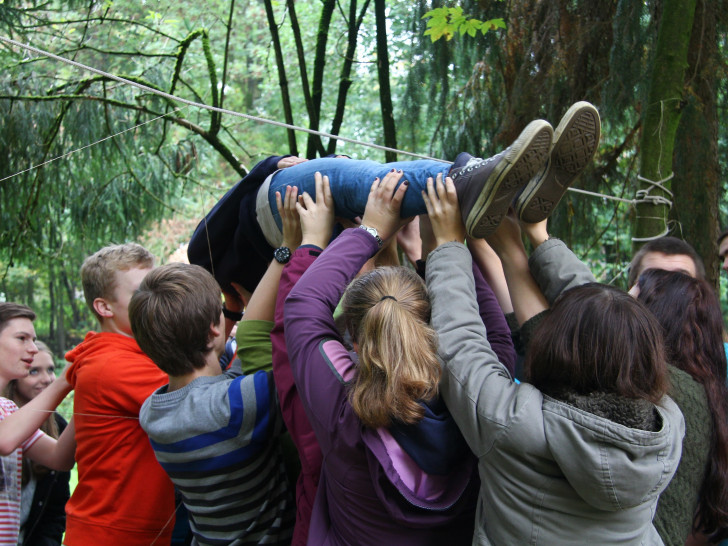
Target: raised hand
{"points": [[317, 217], [384, 204], [289, 217], [441, 201]]}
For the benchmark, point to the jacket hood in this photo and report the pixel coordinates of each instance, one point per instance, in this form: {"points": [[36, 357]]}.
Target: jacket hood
{"points": [[612, 466]]}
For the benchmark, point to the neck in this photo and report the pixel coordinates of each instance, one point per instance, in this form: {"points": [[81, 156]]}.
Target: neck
{"points": [[110, 328], [210, 369]]}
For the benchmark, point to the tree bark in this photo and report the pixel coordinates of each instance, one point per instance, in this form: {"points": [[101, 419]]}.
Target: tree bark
{"points": [[345, 78], [317, 90], [301, 54], [696, 147], [662, 115], [282, 80], [385, 92]]}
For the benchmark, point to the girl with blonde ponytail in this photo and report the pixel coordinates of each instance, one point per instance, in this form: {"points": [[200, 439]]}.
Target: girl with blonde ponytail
{"points": [[396, 469], [387, 312]]}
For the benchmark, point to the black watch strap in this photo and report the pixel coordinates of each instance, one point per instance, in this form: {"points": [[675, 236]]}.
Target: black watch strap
{"points": [[232, 315]]}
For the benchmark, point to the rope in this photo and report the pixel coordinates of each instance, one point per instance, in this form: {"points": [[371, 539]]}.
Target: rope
{"points": [[89, 145], [642, 195], [594, 194], [208, 107]]}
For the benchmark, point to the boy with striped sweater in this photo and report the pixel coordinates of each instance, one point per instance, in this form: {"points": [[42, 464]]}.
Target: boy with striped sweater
{"points": [[216, 434]]}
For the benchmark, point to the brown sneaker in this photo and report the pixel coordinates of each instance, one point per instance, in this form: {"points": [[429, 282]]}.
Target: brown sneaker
{"points": [[486, 187], [575, 142]]}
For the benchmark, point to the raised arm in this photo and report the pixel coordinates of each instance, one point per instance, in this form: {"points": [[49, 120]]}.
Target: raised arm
{"points": [[555, 267], [19, 426], [316, 234], [476, 387], [319, 360]]}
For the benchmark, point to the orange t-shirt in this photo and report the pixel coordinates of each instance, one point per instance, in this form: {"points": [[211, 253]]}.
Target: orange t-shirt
{"points": [[123, 496]]}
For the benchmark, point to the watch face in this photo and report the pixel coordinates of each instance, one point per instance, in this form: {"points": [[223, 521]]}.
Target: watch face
{"points": [[369, 230], [282, 255]]}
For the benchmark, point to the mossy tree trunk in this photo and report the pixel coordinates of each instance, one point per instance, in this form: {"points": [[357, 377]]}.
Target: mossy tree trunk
{"points": [[385, 92], [666, 98], [696, 147]]}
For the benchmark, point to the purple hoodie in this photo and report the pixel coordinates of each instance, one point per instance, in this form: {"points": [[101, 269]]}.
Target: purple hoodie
{"points": [[371, 490]]}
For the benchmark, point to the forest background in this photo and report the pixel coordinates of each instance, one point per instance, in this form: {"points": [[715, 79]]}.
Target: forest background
{"points": [[368, 70]]}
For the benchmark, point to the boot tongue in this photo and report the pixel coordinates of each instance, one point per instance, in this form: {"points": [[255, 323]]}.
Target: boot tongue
{"points": [[462, 160]]}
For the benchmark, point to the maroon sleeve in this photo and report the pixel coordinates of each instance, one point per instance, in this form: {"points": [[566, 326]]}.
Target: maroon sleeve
{"points": [[496, 327], [292, 409]]}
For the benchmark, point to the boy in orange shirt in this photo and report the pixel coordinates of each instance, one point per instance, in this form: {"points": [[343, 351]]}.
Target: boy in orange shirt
{"points": [[123, 496]]}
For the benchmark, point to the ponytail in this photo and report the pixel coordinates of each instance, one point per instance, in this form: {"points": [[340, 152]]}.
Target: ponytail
{"points": [[387, 312]]}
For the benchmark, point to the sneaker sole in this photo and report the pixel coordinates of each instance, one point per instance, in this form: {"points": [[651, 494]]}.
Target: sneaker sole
{"points": [[575, 141], [525, 158]]}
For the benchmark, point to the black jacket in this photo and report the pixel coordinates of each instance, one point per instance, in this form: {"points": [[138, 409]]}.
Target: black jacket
{"points": [[47, 519]]}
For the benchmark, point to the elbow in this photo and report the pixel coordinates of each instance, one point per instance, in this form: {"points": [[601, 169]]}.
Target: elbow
{"points": [[63, 465], [7, 446], [67, 466]]}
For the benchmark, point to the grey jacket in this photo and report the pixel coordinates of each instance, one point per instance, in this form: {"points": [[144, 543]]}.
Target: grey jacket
{"points": [[550, 473]]}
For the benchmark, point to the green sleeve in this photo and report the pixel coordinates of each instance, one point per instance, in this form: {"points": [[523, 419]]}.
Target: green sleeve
{"points": [[254, 345]]}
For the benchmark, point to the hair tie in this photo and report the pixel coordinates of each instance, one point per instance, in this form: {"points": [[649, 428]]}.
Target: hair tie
{"points": [[388, 297]]}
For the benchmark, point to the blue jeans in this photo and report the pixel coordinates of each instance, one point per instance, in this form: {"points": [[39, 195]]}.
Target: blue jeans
{"points": [[351, 179]]}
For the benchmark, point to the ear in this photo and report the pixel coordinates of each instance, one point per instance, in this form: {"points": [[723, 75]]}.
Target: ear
{"points": [[102, 308], [217, 330]]}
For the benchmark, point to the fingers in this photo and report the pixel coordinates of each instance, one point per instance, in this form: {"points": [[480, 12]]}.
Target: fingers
{"points": [[390, 182], [318, 185], [291, 198], [328, 198], [279, 203]]}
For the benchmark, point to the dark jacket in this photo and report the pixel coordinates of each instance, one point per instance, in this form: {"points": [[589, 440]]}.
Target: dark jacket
{"points": [[47, 519], [228, 242]]}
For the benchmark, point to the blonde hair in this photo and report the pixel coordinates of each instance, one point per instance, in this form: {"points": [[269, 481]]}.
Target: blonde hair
{"points": [[387, 312], [49, 426], [98, 270]]}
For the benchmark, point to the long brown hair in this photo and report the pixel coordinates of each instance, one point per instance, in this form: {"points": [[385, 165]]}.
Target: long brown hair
{"points": [[387, 312], [49, 426], [598, 338], [689, 312]]}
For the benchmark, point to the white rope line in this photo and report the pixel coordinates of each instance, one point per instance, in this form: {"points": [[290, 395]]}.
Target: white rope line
{"points": [[73, 414], [208, 107], [258, 120], [612, 197], [644, 196], [32, 167]]}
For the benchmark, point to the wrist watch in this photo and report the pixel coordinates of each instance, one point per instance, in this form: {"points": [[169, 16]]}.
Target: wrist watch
{"points": [[372, 232], [282, 254]]}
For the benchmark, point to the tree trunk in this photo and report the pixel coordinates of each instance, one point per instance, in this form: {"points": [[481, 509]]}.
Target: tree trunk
{"points": [[282, 80], [345, 78], [696, 147], [317, 90], [385, 92], [662, 115], [301, 54]]}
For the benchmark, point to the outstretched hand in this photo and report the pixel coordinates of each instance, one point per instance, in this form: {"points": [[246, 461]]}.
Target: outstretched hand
{"points": [[317, 217], [290, 161], [289, 217], [441, 201], [384, 204]]}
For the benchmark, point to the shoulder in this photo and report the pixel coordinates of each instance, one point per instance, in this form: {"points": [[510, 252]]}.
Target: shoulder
{"points": [[7, 407]]}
